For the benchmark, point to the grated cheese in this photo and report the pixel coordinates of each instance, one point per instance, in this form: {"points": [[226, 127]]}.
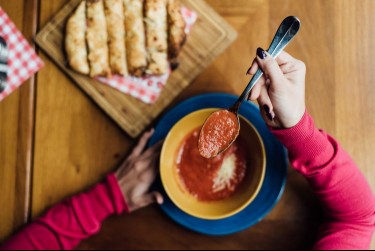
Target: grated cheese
{"points": [[226, 174]]}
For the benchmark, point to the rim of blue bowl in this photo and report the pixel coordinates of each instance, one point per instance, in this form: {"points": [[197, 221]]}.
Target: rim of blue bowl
{"points": [[171, 113]]}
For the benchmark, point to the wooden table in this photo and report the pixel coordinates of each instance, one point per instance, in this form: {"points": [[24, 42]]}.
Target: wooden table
{"points": [[55, 141]]}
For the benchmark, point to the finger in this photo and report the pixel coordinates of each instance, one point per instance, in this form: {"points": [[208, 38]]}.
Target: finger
{"points": [[155, 149], [141, 165], [154, 197], [284, 58], [268, 83], [148, 175], [296, 65], [134, 160], [149, 199], [270, 67], [147, 162], [255, 92], [285, 68], [148, 159], [142, 143], [266, 104], [150, 154], [159, 198], [153, 166], [253, 68]]}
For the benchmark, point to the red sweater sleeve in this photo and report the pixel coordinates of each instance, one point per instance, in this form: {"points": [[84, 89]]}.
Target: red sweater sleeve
{"points": [[67, 224], [346, 196]]}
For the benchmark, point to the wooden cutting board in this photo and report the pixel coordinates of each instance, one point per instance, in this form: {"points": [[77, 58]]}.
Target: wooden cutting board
{"points": [[210, 36]]}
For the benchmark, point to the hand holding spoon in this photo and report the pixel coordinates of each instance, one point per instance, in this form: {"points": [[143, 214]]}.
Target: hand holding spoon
{"points": [[222, 128]]}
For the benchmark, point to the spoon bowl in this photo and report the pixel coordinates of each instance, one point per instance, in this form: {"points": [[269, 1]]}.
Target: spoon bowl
{"points": [[218, 133]]}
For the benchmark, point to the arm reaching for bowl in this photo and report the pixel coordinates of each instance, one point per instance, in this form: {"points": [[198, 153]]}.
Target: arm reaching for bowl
{"points": [[65, 225], [346, 196]]}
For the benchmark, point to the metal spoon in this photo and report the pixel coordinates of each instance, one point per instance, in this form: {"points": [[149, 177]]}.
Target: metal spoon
{"points": [[287, 30], [3, 63]]}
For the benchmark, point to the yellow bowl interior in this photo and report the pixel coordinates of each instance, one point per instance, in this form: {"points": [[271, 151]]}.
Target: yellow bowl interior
{"points": [[245, 194]]}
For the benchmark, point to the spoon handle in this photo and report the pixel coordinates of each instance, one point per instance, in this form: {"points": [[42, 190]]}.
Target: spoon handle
{"points": [[287, 30], [3, 64]]}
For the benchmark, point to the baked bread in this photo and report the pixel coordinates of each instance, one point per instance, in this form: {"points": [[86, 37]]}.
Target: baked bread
{"points": [[97, 39], [176, 31], [124, 37], [75, 40], [135, 37], [114, 12], [157, 36], [158, 63]]}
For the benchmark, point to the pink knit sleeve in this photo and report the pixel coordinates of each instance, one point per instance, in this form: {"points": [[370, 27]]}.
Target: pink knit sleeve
{"points": [[67, 224], [344, 192]]}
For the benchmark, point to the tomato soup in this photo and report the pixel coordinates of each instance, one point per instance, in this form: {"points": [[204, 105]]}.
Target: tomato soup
{"points": [[219, 130], [210, 179]]}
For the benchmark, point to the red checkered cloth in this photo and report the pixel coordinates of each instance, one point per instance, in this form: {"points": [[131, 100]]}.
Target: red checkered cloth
{"points": [[147, 89], [23, 61]]}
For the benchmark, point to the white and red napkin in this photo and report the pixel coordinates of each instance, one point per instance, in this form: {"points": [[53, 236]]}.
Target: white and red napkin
{"points": [[22, 61], [147, 89]]}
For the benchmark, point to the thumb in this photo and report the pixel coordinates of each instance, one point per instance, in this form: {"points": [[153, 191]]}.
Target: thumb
{"points": [[159, 197], [269, 67], [151, 198]]}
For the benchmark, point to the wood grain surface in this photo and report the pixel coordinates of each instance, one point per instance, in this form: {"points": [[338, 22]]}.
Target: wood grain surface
{"points": [[76, 143], [16, 132]]}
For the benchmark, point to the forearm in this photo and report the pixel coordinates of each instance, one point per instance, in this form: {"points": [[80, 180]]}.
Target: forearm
{"points": [[345, 194], [67, 224]]}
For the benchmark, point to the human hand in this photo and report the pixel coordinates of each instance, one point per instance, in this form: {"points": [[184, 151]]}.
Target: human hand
{"points": [[281, 90], [138, 172]]}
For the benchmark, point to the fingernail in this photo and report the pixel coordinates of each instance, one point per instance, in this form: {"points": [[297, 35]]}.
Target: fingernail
{"points": [[266, 109], [248, 71], [268, 112], [269, 116], [261, 53]]}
